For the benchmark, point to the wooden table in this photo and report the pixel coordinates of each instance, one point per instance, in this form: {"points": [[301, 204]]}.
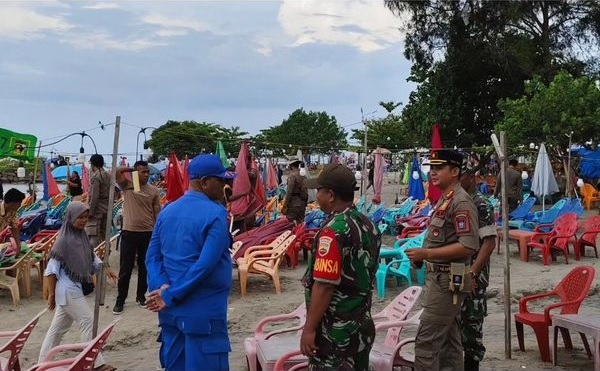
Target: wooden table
{"points": [[585, 324], [521, 236]]}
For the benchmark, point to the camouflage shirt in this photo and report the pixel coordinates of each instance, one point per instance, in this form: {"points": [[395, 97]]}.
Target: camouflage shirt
{"points": [[487, 228], [345, 253]]}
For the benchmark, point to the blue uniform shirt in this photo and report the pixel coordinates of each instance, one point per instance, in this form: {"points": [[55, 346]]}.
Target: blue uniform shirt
{"points": [[189, 251]]}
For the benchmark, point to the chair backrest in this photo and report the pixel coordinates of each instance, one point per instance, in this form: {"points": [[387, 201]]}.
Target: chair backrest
{"points": [[523, 209], [414, 242], [17, 342], [592, 223], [397, 310], [588, 190], [565, 225], [575, 287], [280, 250], [87, 357]]}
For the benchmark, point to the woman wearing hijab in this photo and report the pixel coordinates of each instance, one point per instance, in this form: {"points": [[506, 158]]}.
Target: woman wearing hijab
{"points": [[70, 268]]}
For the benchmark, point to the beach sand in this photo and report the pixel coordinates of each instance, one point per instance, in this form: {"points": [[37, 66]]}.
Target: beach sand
{"points": [[133, 346]]}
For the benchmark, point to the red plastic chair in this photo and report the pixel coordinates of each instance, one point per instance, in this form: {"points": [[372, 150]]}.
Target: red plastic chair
{"points": [[571, 291], [591, 228], [15, 344], [84, 361], [563, 231]]}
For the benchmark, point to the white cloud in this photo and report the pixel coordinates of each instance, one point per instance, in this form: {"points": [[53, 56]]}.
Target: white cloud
{"points": [[102, 40], [170, 23], [102, 6], [21, 23], [365, 25], [19, 69]]}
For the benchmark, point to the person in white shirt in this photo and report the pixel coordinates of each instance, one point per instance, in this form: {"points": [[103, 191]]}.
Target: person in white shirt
{"points": [[69, 273]]}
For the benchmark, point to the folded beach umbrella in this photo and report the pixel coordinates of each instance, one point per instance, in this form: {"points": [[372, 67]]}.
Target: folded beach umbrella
{"points": [[271, 178], [378, 175], [249, 203], [50, 186], [415, 183], [260, 188], [174, 179], [434, 193], [220, 151], [123, 163], [85, 178], [544, 183], [186, 176], [406, 176]]}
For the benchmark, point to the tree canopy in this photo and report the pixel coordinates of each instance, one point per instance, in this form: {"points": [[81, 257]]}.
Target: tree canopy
{"points": [[468, 55], [313, 132], [549, 112], [189, 138]]}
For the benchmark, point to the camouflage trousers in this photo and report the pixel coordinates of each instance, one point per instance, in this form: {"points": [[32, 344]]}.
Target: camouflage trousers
{"points": [[344, 346], [474, 310]]}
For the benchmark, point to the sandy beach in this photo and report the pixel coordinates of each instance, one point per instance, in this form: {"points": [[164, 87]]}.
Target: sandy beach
{"points": [[133, 346]]}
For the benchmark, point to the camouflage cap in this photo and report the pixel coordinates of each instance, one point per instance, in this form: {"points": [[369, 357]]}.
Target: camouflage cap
{"points": [[336, 177]]}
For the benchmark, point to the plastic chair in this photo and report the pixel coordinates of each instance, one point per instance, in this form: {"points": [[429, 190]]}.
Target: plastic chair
{"points": [[264, 262], [589, 194], [387, 355], [16, 344], [100, 250], [287, 337], [591, 228], [558, 238], [400, 265], [390, 319], [84, 361], [20, 269], [571, 291]]}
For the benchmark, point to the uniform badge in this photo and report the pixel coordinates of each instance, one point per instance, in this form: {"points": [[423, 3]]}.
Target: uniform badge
{"points": [[435, 232], [462, 222], [324, 245]]}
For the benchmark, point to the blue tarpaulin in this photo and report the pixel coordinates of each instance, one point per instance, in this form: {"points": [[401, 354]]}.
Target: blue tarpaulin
{"points": [[590, 163], [60, 173]]}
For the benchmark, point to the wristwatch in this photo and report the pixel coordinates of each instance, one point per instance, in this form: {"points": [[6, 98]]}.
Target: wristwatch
{"points": [[474, 275]]}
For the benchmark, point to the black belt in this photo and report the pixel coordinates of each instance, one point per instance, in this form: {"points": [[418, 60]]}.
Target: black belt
{"points": [[433, 267]]}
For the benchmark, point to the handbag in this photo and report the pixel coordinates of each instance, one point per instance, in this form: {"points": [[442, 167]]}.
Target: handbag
{"points": [[87, 288]]}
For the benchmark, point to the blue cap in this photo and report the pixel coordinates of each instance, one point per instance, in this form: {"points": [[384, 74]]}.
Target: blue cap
{"points": [[208, 166]]}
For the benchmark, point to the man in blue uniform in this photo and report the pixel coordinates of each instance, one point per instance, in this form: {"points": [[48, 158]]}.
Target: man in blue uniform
{"points": [[189, 273]]}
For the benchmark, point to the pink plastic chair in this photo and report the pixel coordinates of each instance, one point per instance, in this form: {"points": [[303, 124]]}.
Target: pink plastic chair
{"points": [[392, 319], [288, 336], [390, 353], [84, 361], [16, 343]]}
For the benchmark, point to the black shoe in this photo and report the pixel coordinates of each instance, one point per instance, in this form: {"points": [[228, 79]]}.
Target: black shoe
{"points": [[118, 309], [141, 303]]}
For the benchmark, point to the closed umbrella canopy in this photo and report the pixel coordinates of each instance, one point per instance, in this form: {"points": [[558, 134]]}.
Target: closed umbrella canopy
{"points": [[378, 175], [543, 183], [415, 183], [50, 187], [271, 178], [220, 151], [434, 193], [174, 179]]}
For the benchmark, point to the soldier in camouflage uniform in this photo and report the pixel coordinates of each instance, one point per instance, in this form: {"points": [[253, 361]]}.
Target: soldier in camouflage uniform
{"points": [[339, 331], [474, 308]]}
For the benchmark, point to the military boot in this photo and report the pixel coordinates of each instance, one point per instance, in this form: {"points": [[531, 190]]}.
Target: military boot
{"points": [[471, 364]]}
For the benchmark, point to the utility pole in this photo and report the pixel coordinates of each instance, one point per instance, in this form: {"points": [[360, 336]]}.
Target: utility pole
{"points": [[501, 152], [101, 276]]}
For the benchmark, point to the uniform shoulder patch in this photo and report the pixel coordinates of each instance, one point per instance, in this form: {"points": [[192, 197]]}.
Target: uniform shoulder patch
{"points": [[328, 260], [462, 222]]}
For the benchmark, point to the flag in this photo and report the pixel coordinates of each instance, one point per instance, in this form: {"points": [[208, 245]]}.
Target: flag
{"points": [[17, 145], [434, 193], [220, 151], [50, 187]]}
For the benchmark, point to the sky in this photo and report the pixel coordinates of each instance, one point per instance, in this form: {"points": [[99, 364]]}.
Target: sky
{"points": [[68, 65]]}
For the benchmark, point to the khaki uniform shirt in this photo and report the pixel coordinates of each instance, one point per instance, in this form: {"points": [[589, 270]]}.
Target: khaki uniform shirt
{"points": [[514, 184], [454, 219]]}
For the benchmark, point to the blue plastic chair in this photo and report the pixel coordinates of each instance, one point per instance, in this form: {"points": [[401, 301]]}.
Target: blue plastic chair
{"points": [[400, 265]]}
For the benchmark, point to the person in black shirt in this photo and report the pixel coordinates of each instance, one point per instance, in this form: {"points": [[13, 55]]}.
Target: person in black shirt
{"points": [[75, 187]]}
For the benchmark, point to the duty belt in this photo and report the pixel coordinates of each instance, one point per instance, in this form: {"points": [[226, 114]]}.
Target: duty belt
{"points": [[434, 267]]}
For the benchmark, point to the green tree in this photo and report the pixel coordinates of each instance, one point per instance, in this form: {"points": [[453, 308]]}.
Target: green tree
{"points": [[549, 111], [468, 55], [185, 138], [313, 132]]}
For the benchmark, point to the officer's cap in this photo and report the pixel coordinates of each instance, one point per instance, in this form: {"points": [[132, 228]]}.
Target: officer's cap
{"points": [[445, 156]]}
